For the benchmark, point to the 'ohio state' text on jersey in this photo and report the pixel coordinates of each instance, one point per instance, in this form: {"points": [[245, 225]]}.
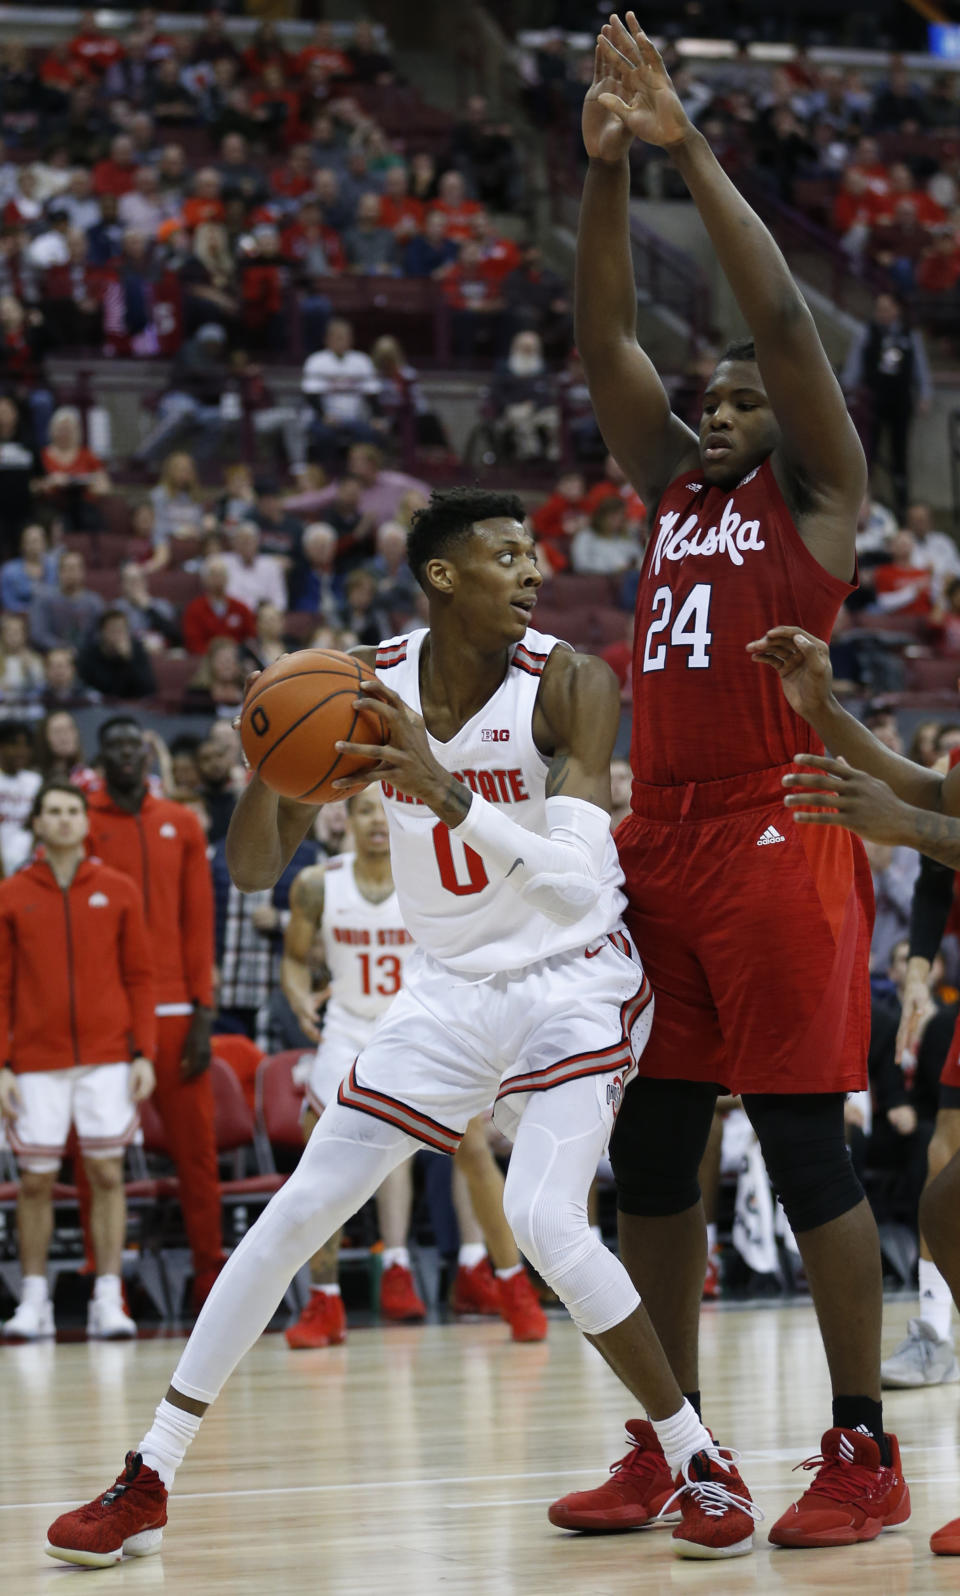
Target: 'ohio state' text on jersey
{"points": [[722, 566], [365, 944], [475, 924]]}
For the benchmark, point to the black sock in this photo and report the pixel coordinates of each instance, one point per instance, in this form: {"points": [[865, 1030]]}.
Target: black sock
{"points": [[862, 1413], [693, 1397]]}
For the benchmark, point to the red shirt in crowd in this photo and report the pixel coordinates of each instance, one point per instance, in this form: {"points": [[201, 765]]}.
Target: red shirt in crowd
{"points": [[197, 210], [333, 61], [395, 211], [894, 578], [607, 489], [202, 623], [109, 177], [458, 217], [95, 52], [76, 983]]}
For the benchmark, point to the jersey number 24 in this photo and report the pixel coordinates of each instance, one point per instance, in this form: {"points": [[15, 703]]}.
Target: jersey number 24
{"points": [[690, 629]]}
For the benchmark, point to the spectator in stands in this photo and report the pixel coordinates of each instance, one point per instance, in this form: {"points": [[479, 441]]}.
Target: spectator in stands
{"points": [[424, 178], [271, 641], [219, 781], [239, 178], [59, 751], [484, 150], [214, 42], [382, 493], [560, 517], [280, 532], [63, 688], [173, 176], [276, 104], [105, 238], [213, 613], [363, 611], [21, 669], [191, 405], [475, 302], [336, 210], [114, 662], [19, 783], [605, 547], [79, 201], [340, 383], [535, 298], [217, 687], [901, 587], [51, 246], [353, 527], [64, 613], [368, 62], [454, 206], [178, 510], [371, 250], [251, 575], [923, 744], [92, 49], [933, 551], [898, 105], [170, 101], [888, 361], [152, 621], [19, 468], [74, 478], [238, 501], [430, 253], [22, 343], [614, 483], [315, 585], [894, 872], [401, 398], [34, 567], [142, 209], [524, 400], [208, 278], [397, 587], [116, 174]]}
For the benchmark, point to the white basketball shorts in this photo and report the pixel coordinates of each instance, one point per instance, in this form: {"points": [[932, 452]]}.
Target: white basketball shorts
{"points": [[451, 1046], [93, 1097], [342, 1038]]}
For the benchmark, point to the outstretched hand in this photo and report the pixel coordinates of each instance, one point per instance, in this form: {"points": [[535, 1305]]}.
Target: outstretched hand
{"points": [[827, 792], [632, 86], [803, 664]]}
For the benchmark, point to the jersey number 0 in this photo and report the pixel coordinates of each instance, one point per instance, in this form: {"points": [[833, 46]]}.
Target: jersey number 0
{"points": [[463, 875]]}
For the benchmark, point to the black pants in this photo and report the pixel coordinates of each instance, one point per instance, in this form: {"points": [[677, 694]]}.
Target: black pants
{"points": [[891, 426]]}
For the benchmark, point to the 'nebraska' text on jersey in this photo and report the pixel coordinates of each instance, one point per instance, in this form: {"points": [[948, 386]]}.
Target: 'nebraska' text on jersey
{"points": [[365, 944], [447, 899], [722, 565]]}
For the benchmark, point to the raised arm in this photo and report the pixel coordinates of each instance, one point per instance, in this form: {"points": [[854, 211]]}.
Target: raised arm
{"points": [[650, 443], [819, 447], [296, 973]]}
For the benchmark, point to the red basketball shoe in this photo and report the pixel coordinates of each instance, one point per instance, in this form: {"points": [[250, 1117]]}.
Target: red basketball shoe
{"points": [[323, 1322], [639, 1487], [520, 1308], [475, 1290], [853, 1497], [398, 1296], [716, 1511], [126, 1522], [711, 1283], [945, 1542]]}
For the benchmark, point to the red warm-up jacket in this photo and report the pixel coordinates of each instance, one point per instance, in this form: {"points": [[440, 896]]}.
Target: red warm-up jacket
{"points": [[75, 977], [163, 848]]}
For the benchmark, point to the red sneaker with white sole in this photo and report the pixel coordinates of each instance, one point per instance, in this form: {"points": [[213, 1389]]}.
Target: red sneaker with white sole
{"points": [[711, 1283], [717, 1514], [520, 1307], [399, 1299], [125, 1522], [475, 1290], [853, 1497], [634, 1496], [945, 1542], [323, 1322]]}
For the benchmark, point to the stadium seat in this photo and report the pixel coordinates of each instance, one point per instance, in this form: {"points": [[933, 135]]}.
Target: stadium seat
{"points": [[932, 675], [177, 586], [172, 673], [106, 583], [567, 591], [278, 1104]]}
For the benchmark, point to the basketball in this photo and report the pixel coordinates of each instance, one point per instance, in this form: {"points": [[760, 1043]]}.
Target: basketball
{"points": [[298, 710]]}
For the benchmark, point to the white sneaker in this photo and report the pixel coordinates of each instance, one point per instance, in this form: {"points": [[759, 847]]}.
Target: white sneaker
{"points": [[106, 1320], [921, 1359], [33, 1321]]}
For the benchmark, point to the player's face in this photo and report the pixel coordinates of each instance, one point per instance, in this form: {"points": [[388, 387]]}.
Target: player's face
{"points": [[368, 823], [62, 822], [496, 581], [738, 429], [124, 754]]}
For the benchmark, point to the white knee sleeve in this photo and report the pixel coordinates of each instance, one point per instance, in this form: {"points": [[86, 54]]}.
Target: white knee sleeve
{"points": [[344, 1162], [545, 1202]]}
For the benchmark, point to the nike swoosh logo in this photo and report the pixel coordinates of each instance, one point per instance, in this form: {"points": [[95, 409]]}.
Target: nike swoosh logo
{"points": [[512, 868]]}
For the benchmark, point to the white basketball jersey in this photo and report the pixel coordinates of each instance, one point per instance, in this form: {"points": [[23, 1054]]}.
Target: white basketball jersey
{"points": [[447, 900], [365, 944]]}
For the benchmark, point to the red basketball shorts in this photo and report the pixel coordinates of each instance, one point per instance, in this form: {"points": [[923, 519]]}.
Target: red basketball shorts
{"points": [[755, 933]]}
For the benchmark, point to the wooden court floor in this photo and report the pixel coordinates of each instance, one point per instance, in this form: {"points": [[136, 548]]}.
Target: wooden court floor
{"points": [[421, 1460]]}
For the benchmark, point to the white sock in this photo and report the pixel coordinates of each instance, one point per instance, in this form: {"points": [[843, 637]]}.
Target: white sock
{"points": [[396, 1255], [508, 1274], [164, 1446], [471, 1254], [936, 1303], [711, 1238], [33, 1289], [107, 1286], [681, 1436], [328, 1291]]}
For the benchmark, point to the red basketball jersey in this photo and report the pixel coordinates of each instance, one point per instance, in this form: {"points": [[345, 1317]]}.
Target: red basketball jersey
{"points": [[722, 565]]}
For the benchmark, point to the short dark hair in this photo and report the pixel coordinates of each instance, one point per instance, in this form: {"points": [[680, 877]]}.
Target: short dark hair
{"points": [[112, 614], [186, 743], [114, 721], [56, 784], [11, 730], [449, 518], [739, 349]]}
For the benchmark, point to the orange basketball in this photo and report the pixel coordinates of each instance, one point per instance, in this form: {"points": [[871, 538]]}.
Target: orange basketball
{"points": [[295, 714]]}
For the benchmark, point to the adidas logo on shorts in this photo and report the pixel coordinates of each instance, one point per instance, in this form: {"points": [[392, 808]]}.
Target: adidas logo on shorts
{"points": [[770, 835]]}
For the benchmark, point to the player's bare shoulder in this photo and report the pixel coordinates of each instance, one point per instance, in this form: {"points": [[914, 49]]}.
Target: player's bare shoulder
{"points": [[579, 697]]}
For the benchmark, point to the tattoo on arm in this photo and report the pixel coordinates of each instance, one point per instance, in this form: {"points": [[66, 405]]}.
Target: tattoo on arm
{"points": [[454, 803], [557, 775], [938, 836]]}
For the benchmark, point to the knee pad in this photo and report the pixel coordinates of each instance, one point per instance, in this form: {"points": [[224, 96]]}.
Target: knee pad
{"points": [[807, 1158], [555, 1235], [657, 1145]]}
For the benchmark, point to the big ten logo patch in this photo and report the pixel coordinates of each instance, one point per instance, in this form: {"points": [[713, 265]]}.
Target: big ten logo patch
{"points": [[615, 1094], [494, 734]]}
